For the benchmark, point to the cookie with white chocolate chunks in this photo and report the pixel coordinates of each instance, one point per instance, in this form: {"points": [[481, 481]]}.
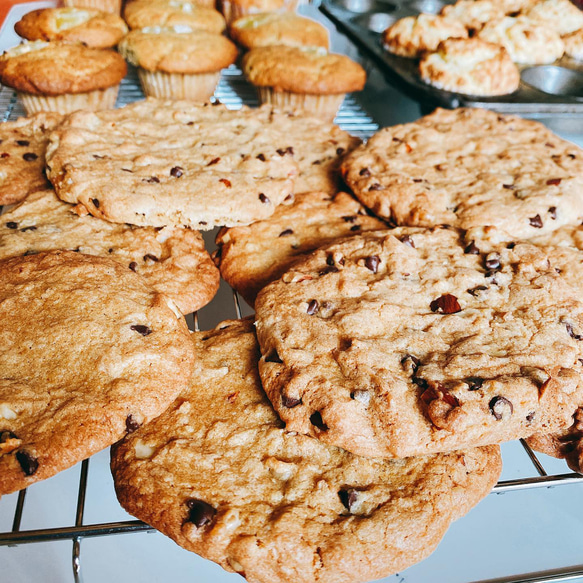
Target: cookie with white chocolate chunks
{"points": [[173, 260], [459, 167], [410, 341], [22, 155], [87, 354], [219, 475], [251, 257]]}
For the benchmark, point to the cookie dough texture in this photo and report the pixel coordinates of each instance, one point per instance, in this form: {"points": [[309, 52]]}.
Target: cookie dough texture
{"points": [[470, 66], [175, 163], [470, 168], [172, 260], [473, 14], [560, 15], [22, 155], [413, 35], [574, 44], [88, 353], [219, 475], [251, 257], [408, 342], [100, 30]]}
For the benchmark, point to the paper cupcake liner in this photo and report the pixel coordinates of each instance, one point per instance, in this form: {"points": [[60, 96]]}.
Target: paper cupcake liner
{"points": [[113, 6], [195, 87], [69, 102], [322, 106], [231, 10]]}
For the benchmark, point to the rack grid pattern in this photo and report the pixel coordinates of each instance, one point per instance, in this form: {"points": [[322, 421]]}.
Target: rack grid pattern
{"points": [[235, 92]]}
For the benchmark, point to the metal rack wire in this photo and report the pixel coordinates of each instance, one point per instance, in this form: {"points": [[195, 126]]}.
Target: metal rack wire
{"points": [[234, 91]]}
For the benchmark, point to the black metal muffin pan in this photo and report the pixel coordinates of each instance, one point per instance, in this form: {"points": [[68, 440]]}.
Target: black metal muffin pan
{"points": [[555, 89]]}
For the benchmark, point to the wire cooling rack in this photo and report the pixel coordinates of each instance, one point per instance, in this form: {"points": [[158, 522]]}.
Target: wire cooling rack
{"points": [[234, 91]]}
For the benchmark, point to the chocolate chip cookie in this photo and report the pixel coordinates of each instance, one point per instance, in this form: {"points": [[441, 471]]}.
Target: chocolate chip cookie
{"points": [[412, 341], [219, 475], [173, 260], [87, 354], [251, 257], [470, 168]]}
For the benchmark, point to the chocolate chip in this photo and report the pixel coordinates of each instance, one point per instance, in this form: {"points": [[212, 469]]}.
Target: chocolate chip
{"points": [[29, 157], [530, 417], [131, 424], [329, 269], [472, 249], [95, 202], [177, 172], [152, 180], [6, 434], [330, 260], [549, 145], [492, 262], [372, 263], [273, 357], [133, 265], [312, 307], [536, 222], [141, 329], [572, 333], [317, 421], [509, 186], [5, 155], [446, 304], [474, 383], [340, 151], [283, 152], [31, 228], [407, 240], [263, 198], [348, 498], [286, 232], [260, 157], [214, 161], [554, 181], [290, 402], [376, 186], [475, 291], [499, 406], [23, 142], [553, 212], [289, 197], [364, 172], [349, 218], [417, 180], [28, 462], [200, 513], [226, 182], [355, 228], [12, 225], [150, 257]]}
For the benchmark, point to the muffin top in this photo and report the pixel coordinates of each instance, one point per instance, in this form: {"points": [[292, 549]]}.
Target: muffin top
{"points": [[260, 6], [101, 30], [142, 13], [178, 49], [309, 70], [54, 68], [278, 28]]}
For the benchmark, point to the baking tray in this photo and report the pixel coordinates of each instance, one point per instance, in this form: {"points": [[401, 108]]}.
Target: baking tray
{"points": [[555, 89]]}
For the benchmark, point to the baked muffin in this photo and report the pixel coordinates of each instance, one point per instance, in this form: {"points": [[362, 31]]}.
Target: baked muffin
{"points": [[413, 35], [574, 45], [473, 13], [470, 66], [113, 6], [61, 76], [178, 62], [100, 30], [235, 9], [141, 13], [560, 15], [527, 41], [278, 28], [309, 78]]}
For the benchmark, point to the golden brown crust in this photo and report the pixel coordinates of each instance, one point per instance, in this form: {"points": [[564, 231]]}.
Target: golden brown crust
{"points": [[165, 49], [303, 70], [278, 28], [100, 30], [60, 67]]}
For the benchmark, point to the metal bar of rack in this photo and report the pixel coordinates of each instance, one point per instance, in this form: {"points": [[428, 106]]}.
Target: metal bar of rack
{"points": [[233, 91]]}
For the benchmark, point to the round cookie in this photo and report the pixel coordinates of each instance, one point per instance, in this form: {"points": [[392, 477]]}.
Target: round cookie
{"points": [[100, 30], [173, 261], [61, 76], [473, 14], [560, 15], [470, 66], [460, 167], [279, 28], [527, 41], [178, 62], [89, 352], [413, 35], [574, 45], [142, 13], [407, 342], [251, 257], [22, 155], [218, 474]]}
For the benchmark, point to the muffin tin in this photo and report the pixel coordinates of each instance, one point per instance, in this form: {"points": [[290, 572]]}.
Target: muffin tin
{"points": [[555, 89]]}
